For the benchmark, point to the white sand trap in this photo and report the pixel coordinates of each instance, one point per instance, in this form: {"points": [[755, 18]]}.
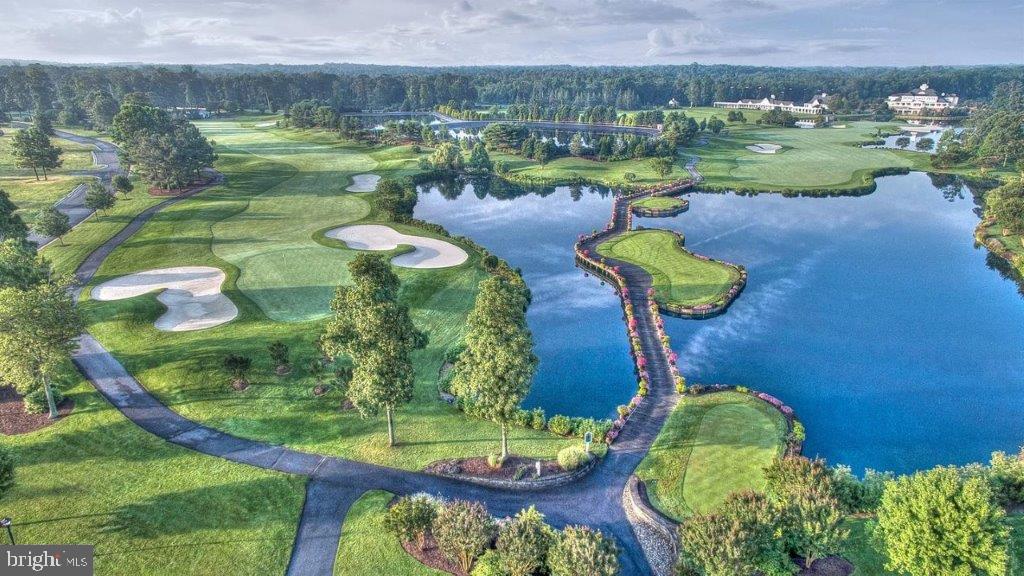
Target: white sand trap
{"points": [[266, 124], [428, 252], [764, 148], [191, 293], [364, 183]]}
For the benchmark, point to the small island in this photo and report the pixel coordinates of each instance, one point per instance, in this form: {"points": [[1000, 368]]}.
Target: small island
{"points": [[685, 284], [659, 206]]}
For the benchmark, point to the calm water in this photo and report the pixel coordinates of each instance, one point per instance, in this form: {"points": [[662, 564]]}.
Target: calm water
{"points": [[874, 317]]}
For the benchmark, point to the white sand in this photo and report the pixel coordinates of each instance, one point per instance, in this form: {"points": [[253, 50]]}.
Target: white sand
{"points": [[191, 293], [764, 148], [364, 183], [427, 253], [266, 124]]}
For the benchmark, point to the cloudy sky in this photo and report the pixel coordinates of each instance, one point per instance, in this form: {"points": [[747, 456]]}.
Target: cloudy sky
{"points": [[440, 32]]}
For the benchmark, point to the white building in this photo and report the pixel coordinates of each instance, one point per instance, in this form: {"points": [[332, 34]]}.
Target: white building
{"points": [[817, 105], [920, 99]]}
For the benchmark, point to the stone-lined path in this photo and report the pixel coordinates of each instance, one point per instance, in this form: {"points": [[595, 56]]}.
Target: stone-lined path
{"points": [[335, 483]]}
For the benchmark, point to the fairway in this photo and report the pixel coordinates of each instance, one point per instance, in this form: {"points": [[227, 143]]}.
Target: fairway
{"points": [[679, 277], [809, 159], [264, 228], [710, 446]]}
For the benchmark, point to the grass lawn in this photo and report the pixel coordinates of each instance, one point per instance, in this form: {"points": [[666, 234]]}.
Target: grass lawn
{"points": [[679, 277], [29, 194], [711, 445], [148, 506], [366, 547], [283, 189], [607, 173], [659, 203]]}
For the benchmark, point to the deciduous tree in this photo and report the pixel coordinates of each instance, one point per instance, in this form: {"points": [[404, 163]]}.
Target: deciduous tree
{"points": [[52, 223], [11, 224], [97, 197], [32, 149]]}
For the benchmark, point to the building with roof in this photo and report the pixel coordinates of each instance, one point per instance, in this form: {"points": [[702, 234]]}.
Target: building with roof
{"points": [[817, 105], [920, 99]]}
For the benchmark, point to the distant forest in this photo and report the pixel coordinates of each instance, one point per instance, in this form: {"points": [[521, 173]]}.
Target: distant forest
{"points": [[357, 87]]}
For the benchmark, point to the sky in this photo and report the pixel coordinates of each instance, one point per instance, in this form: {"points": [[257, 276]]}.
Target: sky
{"points": [[473, 32]]}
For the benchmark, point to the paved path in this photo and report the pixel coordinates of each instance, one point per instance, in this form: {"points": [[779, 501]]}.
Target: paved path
{"points": [[106, 165], [335, 483]]}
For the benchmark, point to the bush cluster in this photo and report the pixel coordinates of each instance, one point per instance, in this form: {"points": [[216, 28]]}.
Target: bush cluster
{"points": [[572, 457]]}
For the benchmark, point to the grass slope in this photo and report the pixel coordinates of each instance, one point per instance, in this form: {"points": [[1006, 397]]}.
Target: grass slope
{"points": [[283, 188], [29, 194], [148, 506], [679, 277], [711, 446], [366, 547]]}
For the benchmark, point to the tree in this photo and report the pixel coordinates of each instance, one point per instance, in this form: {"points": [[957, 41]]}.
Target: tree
{"points": [[935, 522], [662, 166], [479, 160], [20, 265], [463, 530], [903, 141], [446, 156], [97, 197], [396, 199], [410, 518], [523, 543], [136, 120], [278, 354], [583, 551], [924, 144], [52, 223], [494, 372], [123, 184], [803, 491], [6, 470], [101, 108], [43, 122], [544, 151], [576, 145], [32, 149], [1006, 476], [375, 331], [238, 366], [38, 331], [715, 125], [11, 224], [739, 538]]}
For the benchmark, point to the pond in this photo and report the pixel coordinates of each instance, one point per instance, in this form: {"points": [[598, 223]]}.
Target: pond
{"points": [[875, 317]]}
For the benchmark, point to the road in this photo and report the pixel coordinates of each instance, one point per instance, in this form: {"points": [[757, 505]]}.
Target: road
{"points": [[335, 483]]}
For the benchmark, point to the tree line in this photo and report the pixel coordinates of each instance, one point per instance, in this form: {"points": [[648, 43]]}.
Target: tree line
{"points": [[87, 93]]}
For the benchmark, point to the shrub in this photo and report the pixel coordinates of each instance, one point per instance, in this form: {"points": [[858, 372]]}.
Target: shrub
{"points": [[523, 543], [581, 426], [572, 457], [35, 401], [582, 551], [278, 353], [537, 419], [410, 518], [463, 531], [560, 425], [6, 470], [743, 389], [489, 565], [237, 365], [629, 177], [680, 385], [522, 418], [495, 460], [1007, 477], [623, 410], [799, 434]]}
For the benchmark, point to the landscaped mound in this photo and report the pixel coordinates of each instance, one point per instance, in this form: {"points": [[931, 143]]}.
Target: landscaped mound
{"points": [[684, 283], [764, 148], [426, 253], [191, 293], [710, 446], [363, 183], [659, 206]]}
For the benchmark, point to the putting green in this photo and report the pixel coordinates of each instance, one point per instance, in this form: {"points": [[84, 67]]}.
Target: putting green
{"points": [[679, 277], [659, 203]]}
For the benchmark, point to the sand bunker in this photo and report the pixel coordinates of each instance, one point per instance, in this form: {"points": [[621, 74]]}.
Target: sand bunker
{"points": [[266, 124], [764, 148], [364, 183], [427, 253], [191, 294]]}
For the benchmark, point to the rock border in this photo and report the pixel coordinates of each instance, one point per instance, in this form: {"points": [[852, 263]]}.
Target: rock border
{"points": [[645, 212]]}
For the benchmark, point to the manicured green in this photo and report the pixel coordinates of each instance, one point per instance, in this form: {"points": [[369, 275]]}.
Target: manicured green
{"points": [[148, 506], [679, 277], [711, 445], [366, 547], [659, 203], [30, 194], [570, 168], [263, 227]]}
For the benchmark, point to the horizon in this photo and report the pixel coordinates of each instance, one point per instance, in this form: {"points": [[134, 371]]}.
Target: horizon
{"points": [[436, 33]]}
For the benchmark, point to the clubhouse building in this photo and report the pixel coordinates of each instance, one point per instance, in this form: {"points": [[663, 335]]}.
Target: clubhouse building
{"points": [[817, 105], [920, 99]]}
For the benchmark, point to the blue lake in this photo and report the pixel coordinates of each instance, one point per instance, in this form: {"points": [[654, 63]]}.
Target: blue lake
{"points": [[875, 317]]}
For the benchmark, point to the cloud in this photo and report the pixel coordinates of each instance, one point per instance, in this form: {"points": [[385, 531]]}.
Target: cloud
{"points": [[464, 17], [93, 32], [707, 41]]}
